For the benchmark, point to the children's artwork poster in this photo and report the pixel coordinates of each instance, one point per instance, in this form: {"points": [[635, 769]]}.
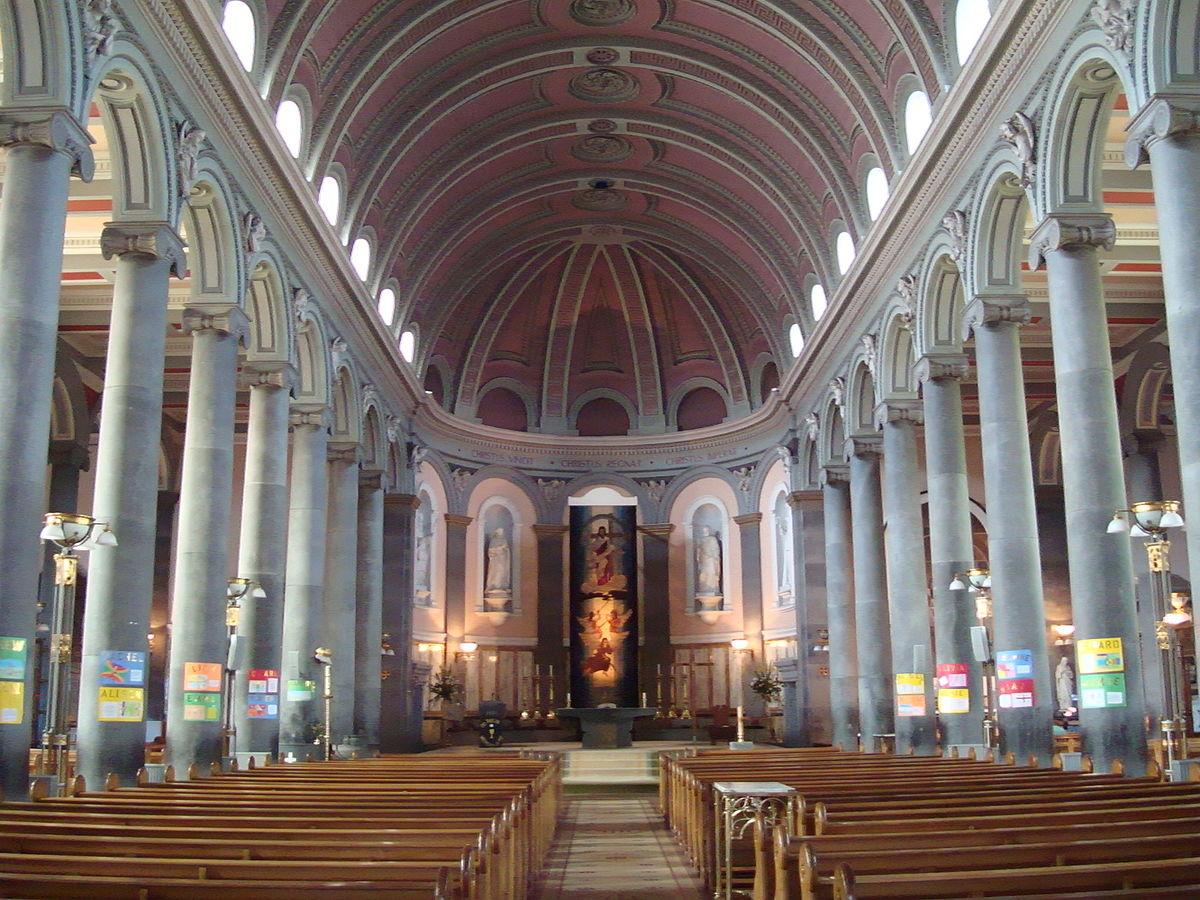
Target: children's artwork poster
{"points": [[262, 706], [1015, 693], [1012, 664], [201, 706], [263, 681], [202, 677], [910, 694], [1105, 691], [121, 704], [123, 668], [952, 675], [12, 702], [12, 658], [1100, 655], [953, 701], [299, 689]]}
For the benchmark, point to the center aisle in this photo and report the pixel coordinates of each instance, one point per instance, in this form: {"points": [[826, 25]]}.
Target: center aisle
{"points": [[616, 847]]}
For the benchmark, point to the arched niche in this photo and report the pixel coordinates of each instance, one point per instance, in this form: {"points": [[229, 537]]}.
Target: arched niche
{"points": [[497, 503]]}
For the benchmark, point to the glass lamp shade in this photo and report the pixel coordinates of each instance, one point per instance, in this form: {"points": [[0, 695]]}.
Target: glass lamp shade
{"points": [[1155, 515], [468, 646], [67, 530], [1177, 617], [106, 538], [1138, 531], [1118, 525], [957, 584], [979, 578], [258, 593], [1171, 519]]}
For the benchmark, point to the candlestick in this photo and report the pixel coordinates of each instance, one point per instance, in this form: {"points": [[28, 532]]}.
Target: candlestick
{"points": [[644, 704], [568, 699], [741, 726]]}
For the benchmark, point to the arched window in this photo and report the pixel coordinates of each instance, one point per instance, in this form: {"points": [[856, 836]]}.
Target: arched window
{"points": [[818, 301], [387, 306], [918, 116], [290, 122], [877, 192], [844, 248], [408, 345], [970, 19], [360, 258], [796, 339], [239, 26], [329, 198]]}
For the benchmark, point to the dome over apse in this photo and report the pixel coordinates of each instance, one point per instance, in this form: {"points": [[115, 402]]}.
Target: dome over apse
{"points": [[602, 334]]}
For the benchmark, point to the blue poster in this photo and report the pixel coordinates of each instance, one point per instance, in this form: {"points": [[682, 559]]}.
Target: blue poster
{"points": [[262, 706], [1014, 664], [126, 668]]}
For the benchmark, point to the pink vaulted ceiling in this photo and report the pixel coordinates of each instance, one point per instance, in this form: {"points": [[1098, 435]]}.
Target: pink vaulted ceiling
{"points": [[697, 149]]}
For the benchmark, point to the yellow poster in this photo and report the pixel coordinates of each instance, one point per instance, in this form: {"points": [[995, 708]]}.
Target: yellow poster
{"points": [[1099, 656], [910, 683], [122, 704], [12, 702], [953, 701]]}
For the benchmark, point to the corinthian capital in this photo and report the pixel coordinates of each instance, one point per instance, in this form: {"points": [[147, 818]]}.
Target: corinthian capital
{"points": [[931, 367], [992, 309], [54, 128], [226, 320], [278, 375], [892, 411], [1066, 231], [157, 240], [1166, 115]]}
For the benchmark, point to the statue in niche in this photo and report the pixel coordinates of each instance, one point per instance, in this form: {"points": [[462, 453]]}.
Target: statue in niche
{"points": [[1064, 684], [785, 554], [499, 565], [421, 561], [708, 564]]}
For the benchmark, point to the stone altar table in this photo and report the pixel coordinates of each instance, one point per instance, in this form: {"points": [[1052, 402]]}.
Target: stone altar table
{"points": [[606, 728]]}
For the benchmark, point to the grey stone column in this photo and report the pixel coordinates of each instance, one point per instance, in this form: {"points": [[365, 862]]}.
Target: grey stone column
{"points": [[872, 630], [1018, 609], [262, 551], [1167, 132], [368, 630], [160, 607], [43, 148], [1100, 564], [399, 724], [1144, 481], [550, 650], [121, 578], [807, 519], [456, 580], [198, 633], [749, 537], [950, 548], [839, 600], [908, 587], [304, 587], [341, 585]]}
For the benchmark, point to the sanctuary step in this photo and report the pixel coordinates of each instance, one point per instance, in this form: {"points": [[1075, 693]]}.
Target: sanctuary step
{"points": [[634, 765]]}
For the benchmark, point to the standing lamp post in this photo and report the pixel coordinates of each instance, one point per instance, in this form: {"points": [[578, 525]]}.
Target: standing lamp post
{"points": [[1152, 519], [978, 581], [323, 657], [236, 591], [71, 533]]}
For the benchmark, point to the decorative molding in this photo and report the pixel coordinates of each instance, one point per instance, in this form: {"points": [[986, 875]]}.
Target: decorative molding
{"points": [[891, 412], [228, 320], [837, 388], [989, 309], [54, 128], [812, 426], [99, 27], [267, 374], [745, 477], [602, 148], [604, 85], [906, 287], [937, 366], [1071, 231], [600, 199], [656, 488], [864, 446], [753, 518], [256, 232], [157, 240], [870, 353], [1115, 18], [836, 474], [955, 223], [602, 12], [308, 418], [188, 141], [1018, 133]]}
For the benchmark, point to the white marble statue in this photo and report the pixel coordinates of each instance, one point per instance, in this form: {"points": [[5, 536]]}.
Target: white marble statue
{"points": [[499, 564], [1064, 683], [708, 563], [421, 562], [785, 554]]}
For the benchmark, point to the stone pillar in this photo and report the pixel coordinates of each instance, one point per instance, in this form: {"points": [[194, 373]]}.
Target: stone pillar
{"points": [[839, 601], [1166, 131], [1018, 610], [550, 650], [749, 537], [1144, 480], [304, 588], [655, 667], [160, 607], [262, 552], [400, 722], [43, 147], [456, 580], [1100, 564], [198, 632], [341, 585], [368, 632], [121, 578], [872, 631], [908, 587], [807, 518], [950, 549]]}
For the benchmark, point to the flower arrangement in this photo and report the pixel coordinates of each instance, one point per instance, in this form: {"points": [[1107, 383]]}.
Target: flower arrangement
{"points": [[766, 685], [445, 686]]}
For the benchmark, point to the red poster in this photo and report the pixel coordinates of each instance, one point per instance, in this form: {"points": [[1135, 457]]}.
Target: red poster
{"points": [[263, 681], [952, 675], [1015, 693]]}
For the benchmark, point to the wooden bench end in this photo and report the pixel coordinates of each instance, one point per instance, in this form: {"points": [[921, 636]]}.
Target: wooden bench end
{"points": [[112, 781]]}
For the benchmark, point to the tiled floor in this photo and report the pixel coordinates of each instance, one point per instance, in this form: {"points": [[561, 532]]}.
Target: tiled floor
{"points": [[616, 847]]}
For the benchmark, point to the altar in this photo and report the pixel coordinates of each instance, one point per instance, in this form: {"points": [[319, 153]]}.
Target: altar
{"points": [[606, 728]]}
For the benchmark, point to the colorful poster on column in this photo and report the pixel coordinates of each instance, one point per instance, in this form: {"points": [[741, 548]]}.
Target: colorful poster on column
{"points": [[123, 667], [1014, 664], [202, 677], [1100, 655], [121, 704], [262, 706], [299, 689], [12, 658], [199, 706], [12, 702], [263, 681], [1105, 691], [953, 701], [1015, 693], [952, 675], [910, 694]]}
